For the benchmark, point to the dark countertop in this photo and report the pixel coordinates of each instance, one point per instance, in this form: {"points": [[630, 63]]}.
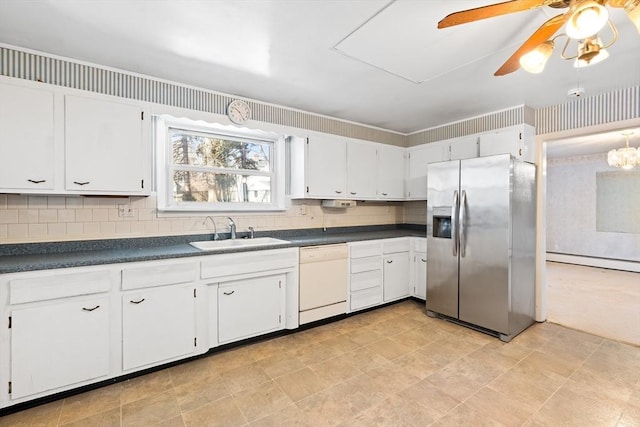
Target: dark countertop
{"points": [[45, 256]]}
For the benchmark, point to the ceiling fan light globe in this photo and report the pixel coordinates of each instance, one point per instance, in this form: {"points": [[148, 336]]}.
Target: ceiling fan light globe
{"points": [[535, 60], [633, 12], [588, 18]]}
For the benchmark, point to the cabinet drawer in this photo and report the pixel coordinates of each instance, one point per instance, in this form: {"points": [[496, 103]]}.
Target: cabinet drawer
{"points": [[395, 245], [361, 250], [366, 298], [420, 244], [158, 274], [365, 280], [359, 265], [55, 285]]}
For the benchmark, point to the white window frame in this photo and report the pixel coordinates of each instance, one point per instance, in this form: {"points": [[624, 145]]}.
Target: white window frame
{"points": [[164, 165]]}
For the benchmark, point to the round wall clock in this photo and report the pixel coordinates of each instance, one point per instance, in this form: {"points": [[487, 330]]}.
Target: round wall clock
{"points": [[238, 111]]}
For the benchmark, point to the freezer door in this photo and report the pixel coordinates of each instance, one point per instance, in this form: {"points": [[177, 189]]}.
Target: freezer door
{"points": [[484, 241], [442, 274]]}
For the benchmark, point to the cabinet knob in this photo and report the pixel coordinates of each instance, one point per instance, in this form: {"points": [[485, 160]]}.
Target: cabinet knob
{"points": [[338, 192], [353, 192], [136, 302], [384, 194], [389, 261], [81, 183], [90, 309], [37, 181], [228, 293], [423, 260]]}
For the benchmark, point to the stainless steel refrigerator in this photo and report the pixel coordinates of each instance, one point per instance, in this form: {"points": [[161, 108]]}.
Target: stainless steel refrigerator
{"points": [[481, 236]]}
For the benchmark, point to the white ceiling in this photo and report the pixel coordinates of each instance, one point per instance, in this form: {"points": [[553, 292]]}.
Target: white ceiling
{"points": [[377, 62]]}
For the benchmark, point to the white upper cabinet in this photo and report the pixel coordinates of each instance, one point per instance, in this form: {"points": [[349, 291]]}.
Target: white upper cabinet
{"points": [[26, 138], [57, 140], [361, 170], [417, 159], [104, 149], [390, 172], [465, 147], [326, 167], [517, 140]]}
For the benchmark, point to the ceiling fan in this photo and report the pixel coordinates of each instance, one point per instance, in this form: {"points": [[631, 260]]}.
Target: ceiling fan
{"points": [[580, 15]]}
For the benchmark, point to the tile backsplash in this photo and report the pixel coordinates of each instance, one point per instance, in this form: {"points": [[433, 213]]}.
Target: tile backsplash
{"points": [[25, 219]]}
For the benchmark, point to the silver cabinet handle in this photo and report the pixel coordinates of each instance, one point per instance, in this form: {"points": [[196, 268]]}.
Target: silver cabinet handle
{"points": [[454, 231], [389, 261], [37, 181], [461, 226], [136, 302], [228, 293], [339, 192], [353, 192], [384, 194], [90, 309], [81, 183], [423, 260]]}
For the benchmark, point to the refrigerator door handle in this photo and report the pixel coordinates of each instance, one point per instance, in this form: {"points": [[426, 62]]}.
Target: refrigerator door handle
{"points": [[454, 231], [462, 212]]}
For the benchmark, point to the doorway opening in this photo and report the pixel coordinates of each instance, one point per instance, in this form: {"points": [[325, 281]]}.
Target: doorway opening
{"points": [[589, 260]]}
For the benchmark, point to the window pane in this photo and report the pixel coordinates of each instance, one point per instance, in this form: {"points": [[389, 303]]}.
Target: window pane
{"points": [[217, 187], [219, 152]]}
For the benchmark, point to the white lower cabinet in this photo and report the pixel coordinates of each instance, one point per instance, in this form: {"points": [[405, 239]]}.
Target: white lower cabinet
{"points": [[158, 325], [396, 276], [420, 275], [250, 307], [365, 274], [58, 345], [379, 271], [396, 268], [419, 267]]}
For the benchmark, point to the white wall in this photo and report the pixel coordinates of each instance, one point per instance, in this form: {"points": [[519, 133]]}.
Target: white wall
{"points": [[571, 211]]}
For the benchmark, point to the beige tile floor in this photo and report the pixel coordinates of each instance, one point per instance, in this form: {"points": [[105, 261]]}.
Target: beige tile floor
{"points": [[390, 367], [596, 300]]}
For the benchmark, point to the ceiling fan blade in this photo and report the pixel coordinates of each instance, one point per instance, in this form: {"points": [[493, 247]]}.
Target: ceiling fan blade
{"points": [[490, 11], [541, 35]]}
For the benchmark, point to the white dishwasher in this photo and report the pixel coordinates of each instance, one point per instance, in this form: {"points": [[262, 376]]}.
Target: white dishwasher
{"points": [[323, 282]]}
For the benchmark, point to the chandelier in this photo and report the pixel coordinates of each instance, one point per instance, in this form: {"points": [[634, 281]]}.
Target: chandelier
{"points": [[625, 158]]}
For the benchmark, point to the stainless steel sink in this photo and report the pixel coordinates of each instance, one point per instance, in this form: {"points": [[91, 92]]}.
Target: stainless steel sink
{"points": [[218, 245]]}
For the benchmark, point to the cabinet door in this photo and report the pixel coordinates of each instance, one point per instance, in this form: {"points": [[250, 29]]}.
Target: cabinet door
{"points": [[517, 141], [27, 158], [420, 275], [396, 276], [59, 345], [361, 171], [390, 172], [250, 307], [419, 158], [326, 168], [465, 147], [157, 325], [104, 148]]}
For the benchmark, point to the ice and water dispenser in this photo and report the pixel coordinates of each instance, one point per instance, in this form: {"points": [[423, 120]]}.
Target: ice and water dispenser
{"points": [[442, 222]]}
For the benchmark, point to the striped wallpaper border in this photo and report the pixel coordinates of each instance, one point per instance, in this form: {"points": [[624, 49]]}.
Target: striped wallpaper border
{"points": [[619, 105], [500, 119], [615, 106], [31, 66]]}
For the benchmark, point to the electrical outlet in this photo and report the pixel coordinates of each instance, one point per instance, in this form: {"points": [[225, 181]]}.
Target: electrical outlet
{"points": [[125, 211], [302, 209]]}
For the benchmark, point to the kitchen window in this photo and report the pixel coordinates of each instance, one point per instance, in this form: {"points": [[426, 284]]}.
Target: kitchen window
{"points": [[212, 167]]}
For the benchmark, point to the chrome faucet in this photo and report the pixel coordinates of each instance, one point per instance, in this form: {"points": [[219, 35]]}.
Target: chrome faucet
{"points": [[251, 232], [232, 225], [215, 229]]}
